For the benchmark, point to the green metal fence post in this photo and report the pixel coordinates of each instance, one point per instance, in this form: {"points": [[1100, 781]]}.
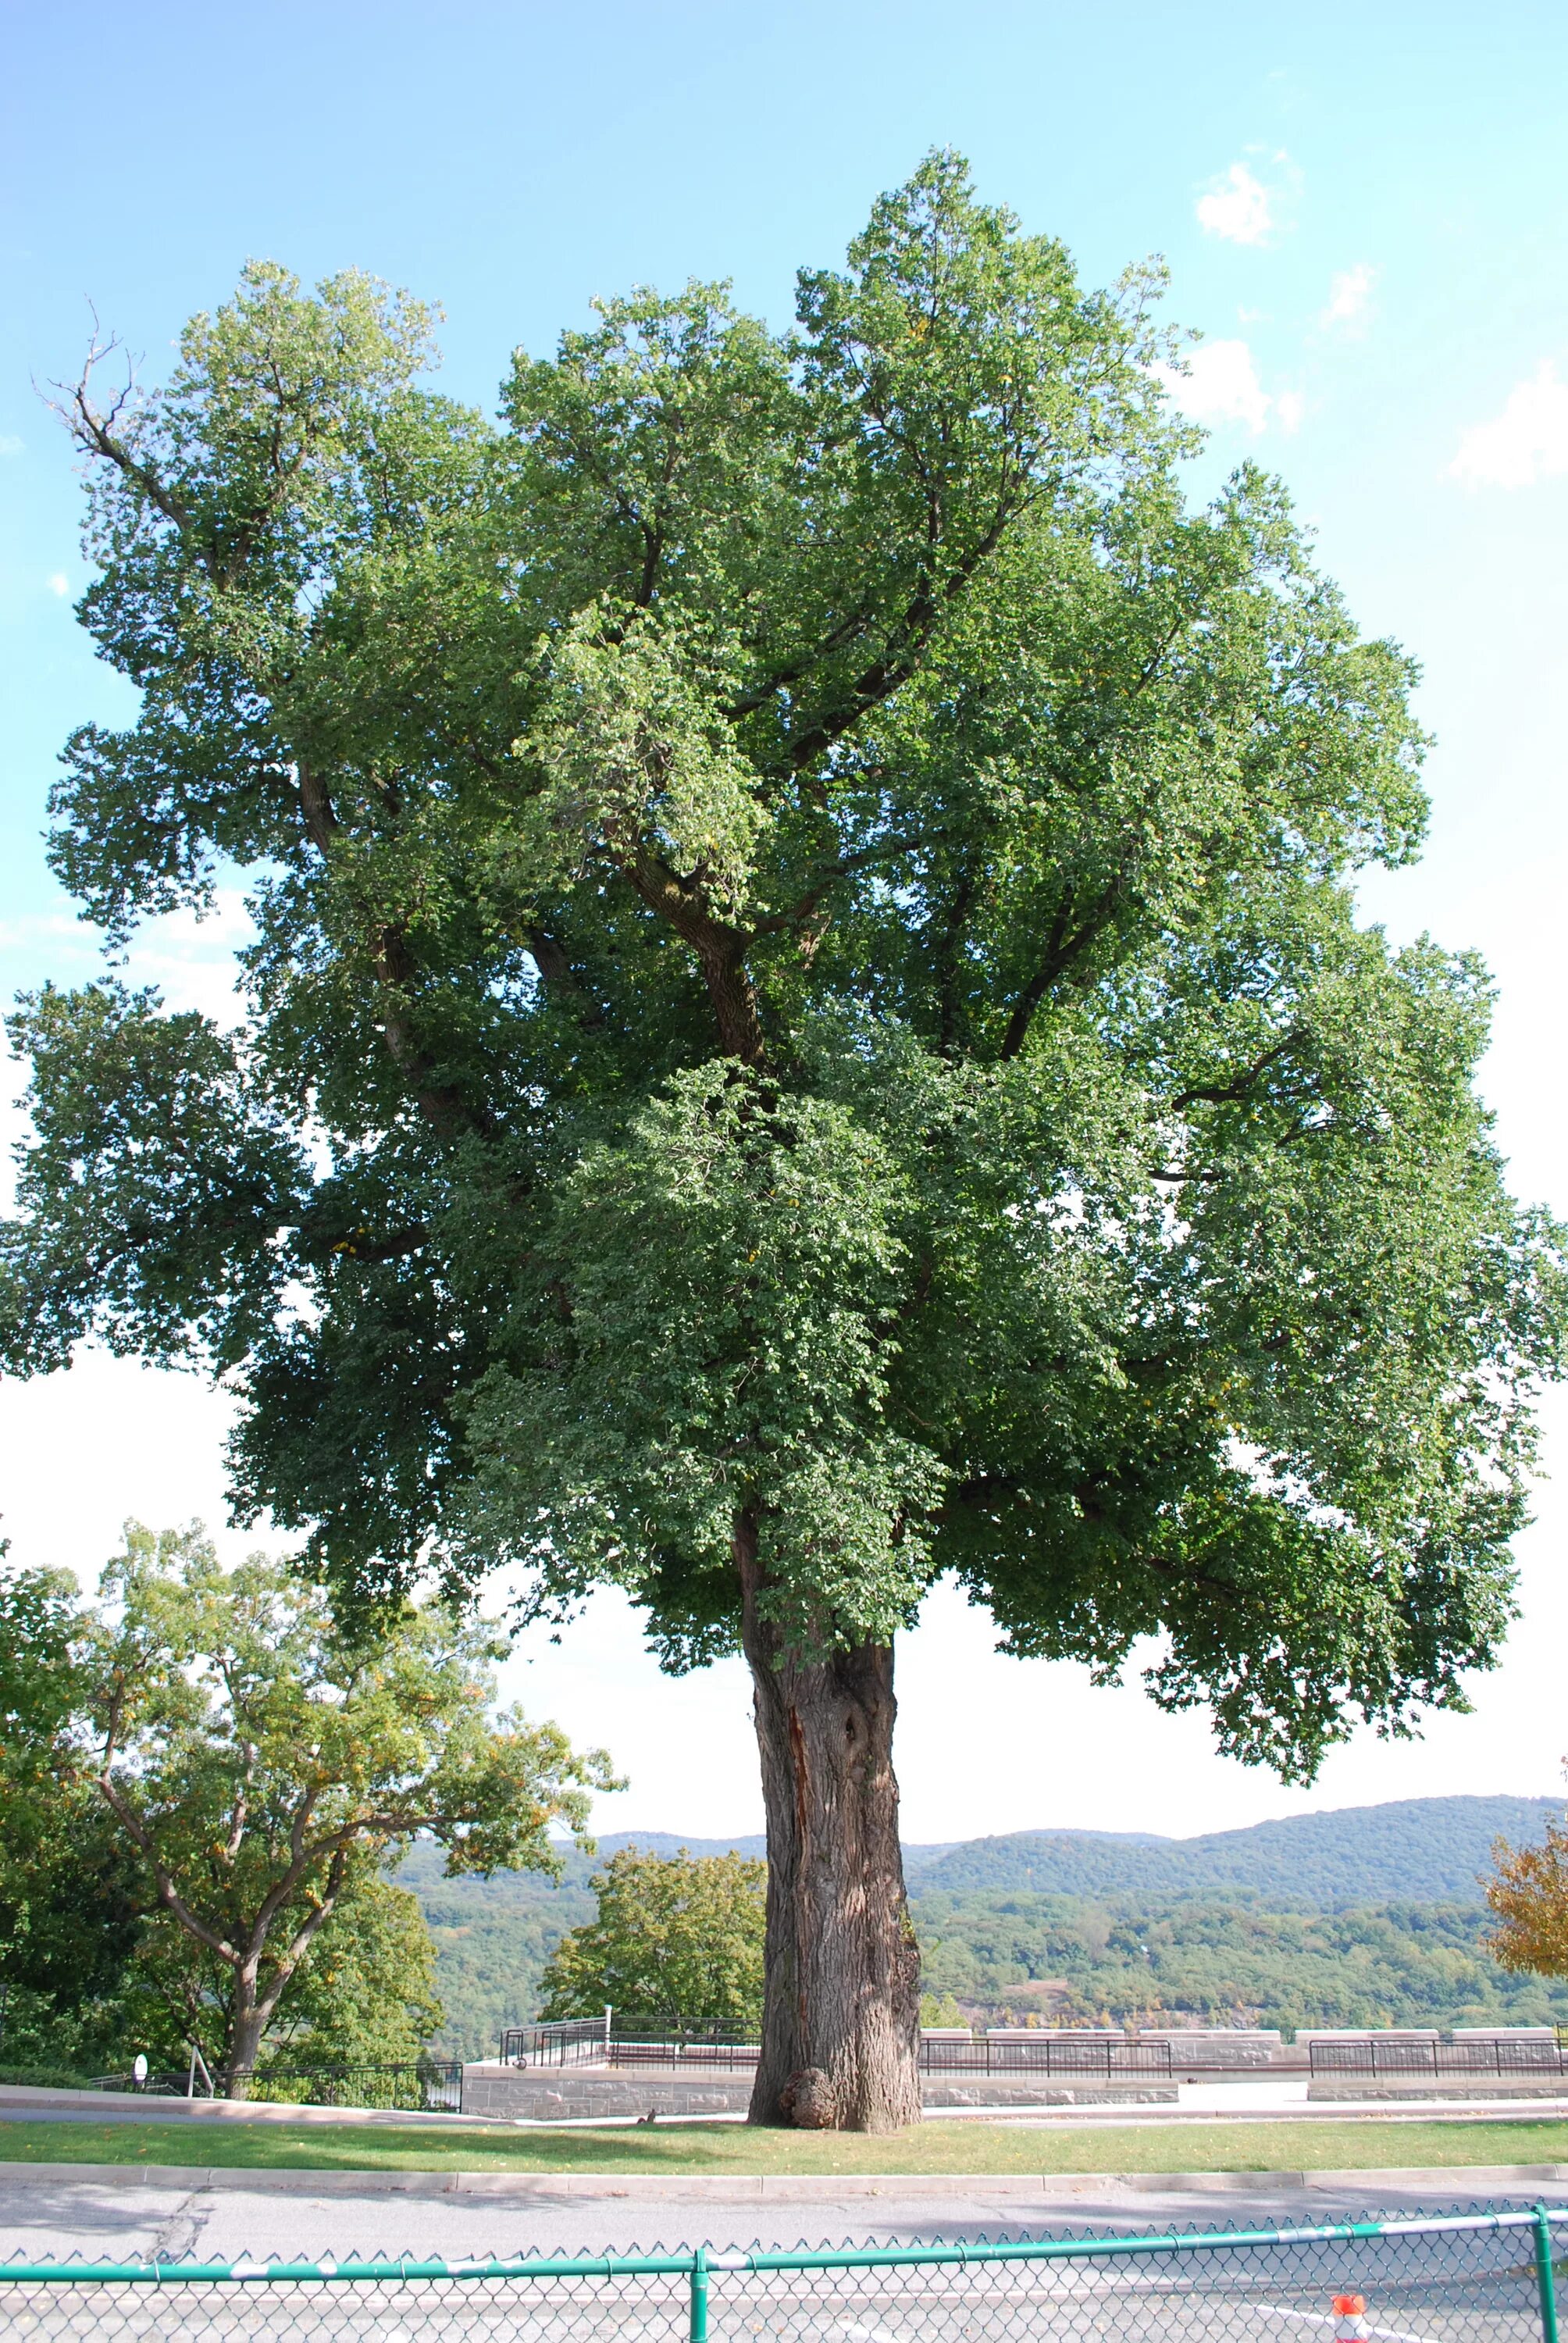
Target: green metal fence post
{"points": [[700, 2297], [1544, 2278]]}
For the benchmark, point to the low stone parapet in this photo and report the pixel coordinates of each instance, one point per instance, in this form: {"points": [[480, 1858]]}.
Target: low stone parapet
{"points": [[1036, 2091], [1222, 2047], [533, 2094], [1474, 2089]]}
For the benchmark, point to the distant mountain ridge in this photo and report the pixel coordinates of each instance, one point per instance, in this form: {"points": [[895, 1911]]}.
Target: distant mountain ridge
{"points": [[1417, 1850]]}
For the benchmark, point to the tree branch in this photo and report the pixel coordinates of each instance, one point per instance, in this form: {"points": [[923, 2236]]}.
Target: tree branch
{"points": [[315, 805], [289, 1960], [1233, 1093], [555, 973], [906, 639], [443, 1105], [825, 877], [93, 432], [720, 950], [169, 1894]]}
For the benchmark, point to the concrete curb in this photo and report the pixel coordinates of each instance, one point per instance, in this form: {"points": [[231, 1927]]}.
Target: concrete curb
{"points": [[20, 2101], [771, 2188]]}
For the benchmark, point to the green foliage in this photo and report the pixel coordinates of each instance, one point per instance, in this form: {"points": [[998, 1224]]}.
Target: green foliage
{"points": [[675, 1936], [783, 1224], [69, 1909], [368, 1996], [39, 1630], [73, 1911], [257, 1762], [149, 1132], [807, 987], [490, 1957], [1012, 1958], [363, 1993]]}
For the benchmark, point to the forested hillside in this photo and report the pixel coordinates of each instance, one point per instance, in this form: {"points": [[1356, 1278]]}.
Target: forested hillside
{"points": [[1006, 1958], [1416, 1849], [1370, 1915]]}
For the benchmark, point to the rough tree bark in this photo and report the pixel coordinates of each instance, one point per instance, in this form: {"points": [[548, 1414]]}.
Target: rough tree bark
{"points": [[841, 1996], [246, 2032]]}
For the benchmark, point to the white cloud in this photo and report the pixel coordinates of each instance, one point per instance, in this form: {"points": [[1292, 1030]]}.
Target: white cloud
{"points": [[59, 583], [1349, 295], [1526, 443], [190, 957], [1219, 384], [1237, 206], [1289, 408], [21, 935], [9, 444]]}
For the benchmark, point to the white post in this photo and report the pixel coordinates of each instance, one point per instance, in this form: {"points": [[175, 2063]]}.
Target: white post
{"points": [[606, 2018]]}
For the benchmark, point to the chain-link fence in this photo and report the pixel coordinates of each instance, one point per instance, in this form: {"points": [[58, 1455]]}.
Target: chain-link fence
{"points": [[1458, 2279]]}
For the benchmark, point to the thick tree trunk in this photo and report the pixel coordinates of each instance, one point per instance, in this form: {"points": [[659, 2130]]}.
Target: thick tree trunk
{"points": [[841, 2000], [246, 2029]]}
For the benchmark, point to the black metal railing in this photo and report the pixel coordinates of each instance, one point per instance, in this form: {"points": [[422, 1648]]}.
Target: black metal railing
{"points": [[626, 2042], [667, 2042], [1486, 2056], [563, 2042], [1045, 2054]]}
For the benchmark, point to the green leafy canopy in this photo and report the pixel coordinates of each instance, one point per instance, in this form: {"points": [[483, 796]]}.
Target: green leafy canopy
{"points": [[806, 977], [677, 1939]]}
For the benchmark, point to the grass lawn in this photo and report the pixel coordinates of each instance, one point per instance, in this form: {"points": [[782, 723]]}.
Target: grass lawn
{"points": [[677, 2148]]}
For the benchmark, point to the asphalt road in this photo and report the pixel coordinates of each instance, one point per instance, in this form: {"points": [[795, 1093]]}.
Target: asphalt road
{"points": [[51, 2216]]}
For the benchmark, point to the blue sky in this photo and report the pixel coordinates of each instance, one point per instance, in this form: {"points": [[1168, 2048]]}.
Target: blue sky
{"points": [[1363, 211]]}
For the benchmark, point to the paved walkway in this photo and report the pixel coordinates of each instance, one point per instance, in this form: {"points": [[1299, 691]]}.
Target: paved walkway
{"points": [[1279, 2099]]}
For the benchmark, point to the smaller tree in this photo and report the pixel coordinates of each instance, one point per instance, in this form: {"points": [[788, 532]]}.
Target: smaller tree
{"points": [[69, 1918], [677, 1937], [365, 1995], [264, 1760], [1528, 1893]]}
